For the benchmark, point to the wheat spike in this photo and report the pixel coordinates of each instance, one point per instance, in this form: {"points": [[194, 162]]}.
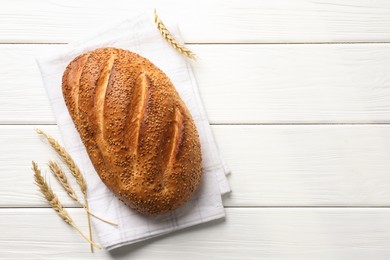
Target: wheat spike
{"points": [[73, 169], [63, 180], [67, 159], [54, 202], [168, 36]]}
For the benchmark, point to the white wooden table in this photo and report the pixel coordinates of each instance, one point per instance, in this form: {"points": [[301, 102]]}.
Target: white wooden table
{"points": [[298, 95]]}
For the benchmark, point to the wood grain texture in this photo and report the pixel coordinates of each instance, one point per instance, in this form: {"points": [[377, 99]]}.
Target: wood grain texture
{"points": [[274, 167], [203, 21], [312, 234], [270, 84], [306, 165]]}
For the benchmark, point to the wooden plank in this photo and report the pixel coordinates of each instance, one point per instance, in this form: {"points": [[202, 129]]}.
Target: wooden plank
{"points": [[308, 165], [305, 165], [264, 84], [203, 21], [268, 233]]}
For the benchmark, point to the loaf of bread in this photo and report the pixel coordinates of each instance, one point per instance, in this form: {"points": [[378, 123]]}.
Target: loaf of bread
{"points": [[137, 131]]}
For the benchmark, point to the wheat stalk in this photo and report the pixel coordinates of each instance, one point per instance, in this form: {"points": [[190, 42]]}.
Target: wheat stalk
{"points": [[73, 169], [54, 202], [168, 36], [63, 180]]}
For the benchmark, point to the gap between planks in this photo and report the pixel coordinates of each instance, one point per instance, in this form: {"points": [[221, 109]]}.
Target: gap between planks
{"points": [[235, 207], [235, 124], [217, 43]]}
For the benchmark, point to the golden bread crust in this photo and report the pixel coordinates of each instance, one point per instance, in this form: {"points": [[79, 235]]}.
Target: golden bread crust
{"points": [[136, 129]]}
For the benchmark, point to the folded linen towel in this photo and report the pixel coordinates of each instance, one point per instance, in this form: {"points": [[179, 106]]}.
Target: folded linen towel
{"points": [[139, 35]]}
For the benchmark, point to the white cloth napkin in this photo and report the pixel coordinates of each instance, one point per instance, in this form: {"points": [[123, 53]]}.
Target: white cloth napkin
{"points": [[139, 35]]}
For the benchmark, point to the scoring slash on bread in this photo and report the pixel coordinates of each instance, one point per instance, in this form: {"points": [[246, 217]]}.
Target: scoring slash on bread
{"points": [[137, 131]]}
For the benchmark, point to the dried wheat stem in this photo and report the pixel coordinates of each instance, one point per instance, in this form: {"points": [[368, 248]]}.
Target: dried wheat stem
{"points": [[99, 218], [73, 169], [88, 219], [93, 244], [54, 202], [63, 180], [180, 47]]}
